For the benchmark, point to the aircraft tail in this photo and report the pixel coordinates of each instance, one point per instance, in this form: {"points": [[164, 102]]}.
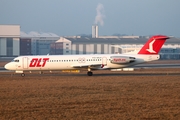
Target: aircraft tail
{"points": [[153, 45]]}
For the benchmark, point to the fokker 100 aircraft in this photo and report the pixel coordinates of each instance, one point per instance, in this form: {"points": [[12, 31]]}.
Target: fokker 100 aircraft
{"points": [[149, 52]]}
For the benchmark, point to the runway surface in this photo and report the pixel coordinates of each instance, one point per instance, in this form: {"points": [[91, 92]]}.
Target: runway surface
{"points": [[139, 70], [142, 66], [99, 73], [157, 66]]}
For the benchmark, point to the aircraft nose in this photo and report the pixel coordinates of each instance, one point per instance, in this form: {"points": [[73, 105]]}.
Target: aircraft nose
{"points": [[7, 66]]}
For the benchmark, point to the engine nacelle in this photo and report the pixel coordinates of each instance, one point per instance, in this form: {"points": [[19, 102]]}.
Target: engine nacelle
{"points": [[121, 59]]}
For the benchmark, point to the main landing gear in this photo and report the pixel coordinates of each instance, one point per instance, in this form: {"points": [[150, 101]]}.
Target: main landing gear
{"points": [[89, 73]]}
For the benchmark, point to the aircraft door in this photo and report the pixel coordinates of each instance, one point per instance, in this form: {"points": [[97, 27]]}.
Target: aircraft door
{"points": [[25, 62], [104, 61]]}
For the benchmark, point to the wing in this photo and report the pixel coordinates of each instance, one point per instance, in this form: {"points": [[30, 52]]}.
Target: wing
{"points": [[86, 65]]}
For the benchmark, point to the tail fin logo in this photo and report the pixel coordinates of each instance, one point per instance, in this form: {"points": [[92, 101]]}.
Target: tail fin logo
{"points": [[151, 47]]}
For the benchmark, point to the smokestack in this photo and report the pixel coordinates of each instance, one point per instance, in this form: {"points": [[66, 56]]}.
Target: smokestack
{"points": [[98, 19], [95, 31]]}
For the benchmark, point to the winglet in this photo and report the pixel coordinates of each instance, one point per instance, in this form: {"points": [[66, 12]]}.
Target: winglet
{"points": [[153, 45]]}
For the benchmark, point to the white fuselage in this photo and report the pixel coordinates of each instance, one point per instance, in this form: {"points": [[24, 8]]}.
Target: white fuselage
{"points": [[67, 62]]}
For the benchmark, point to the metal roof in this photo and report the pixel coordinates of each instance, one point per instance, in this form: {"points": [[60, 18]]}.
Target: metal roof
{"points": [[86, 40]]}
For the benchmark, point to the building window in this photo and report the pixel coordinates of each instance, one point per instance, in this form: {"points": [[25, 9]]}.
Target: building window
{"points": [[9, 44]]}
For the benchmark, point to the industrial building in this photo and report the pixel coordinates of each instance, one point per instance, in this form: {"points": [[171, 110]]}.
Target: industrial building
{"points": [[15, 43], [111, 45], [36, 44], [108, 45], [9, 40]]}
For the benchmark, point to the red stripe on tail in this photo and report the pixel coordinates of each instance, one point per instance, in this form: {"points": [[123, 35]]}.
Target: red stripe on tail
{"points": [[153, 45]]}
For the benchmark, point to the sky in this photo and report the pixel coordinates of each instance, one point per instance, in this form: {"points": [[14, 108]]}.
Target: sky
{"points": [[74, 17]]}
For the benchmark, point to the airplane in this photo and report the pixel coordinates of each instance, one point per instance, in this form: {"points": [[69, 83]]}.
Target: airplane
{"points": [[149, 52]]}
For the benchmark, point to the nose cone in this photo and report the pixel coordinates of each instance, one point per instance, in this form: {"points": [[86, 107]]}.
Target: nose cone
{"points": [[7, 66]]}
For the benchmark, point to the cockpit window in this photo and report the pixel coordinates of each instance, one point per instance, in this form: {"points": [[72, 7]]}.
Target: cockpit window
{"points": [[15, 60]]}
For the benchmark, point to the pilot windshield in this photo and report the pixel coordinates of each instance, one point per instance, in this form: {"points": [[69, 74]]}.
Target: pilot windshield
{"points": [[15, 61]]}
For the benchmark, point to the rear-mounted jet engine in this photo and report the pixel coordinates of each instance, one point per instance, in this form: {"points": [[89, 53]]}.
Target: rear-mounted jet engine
{"points": [[121, 59]]}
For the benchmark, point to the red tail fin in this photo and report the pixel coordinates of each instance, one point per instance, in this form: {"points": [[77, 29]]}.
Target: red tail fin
{"points": [[153, 45]]}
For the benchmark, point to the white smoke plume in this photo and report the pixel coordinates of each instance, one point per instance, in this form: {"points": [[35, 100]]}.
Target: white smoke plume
{"points": [[100, 14]]}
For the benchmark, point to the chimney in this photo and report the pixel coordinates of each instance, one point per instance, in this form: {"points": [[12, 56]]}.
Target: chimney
{"points": [[95, 31]]}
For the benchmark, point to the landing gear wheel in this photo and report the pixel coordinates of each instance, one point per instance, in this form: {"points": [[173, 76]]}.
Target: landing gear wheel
{"points": [[22, 75], [89, 73]]}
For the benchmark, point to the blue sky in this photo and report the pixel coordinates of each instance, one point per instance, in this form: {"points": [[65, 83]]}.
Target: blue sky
{"points": [[73, 17]]}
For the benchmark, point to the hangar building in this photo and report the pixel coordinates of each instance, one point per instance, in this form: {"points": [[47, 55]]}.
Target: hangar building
{"points": [[36, 43], [14, 43], [9, 40], [111, 45]]}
